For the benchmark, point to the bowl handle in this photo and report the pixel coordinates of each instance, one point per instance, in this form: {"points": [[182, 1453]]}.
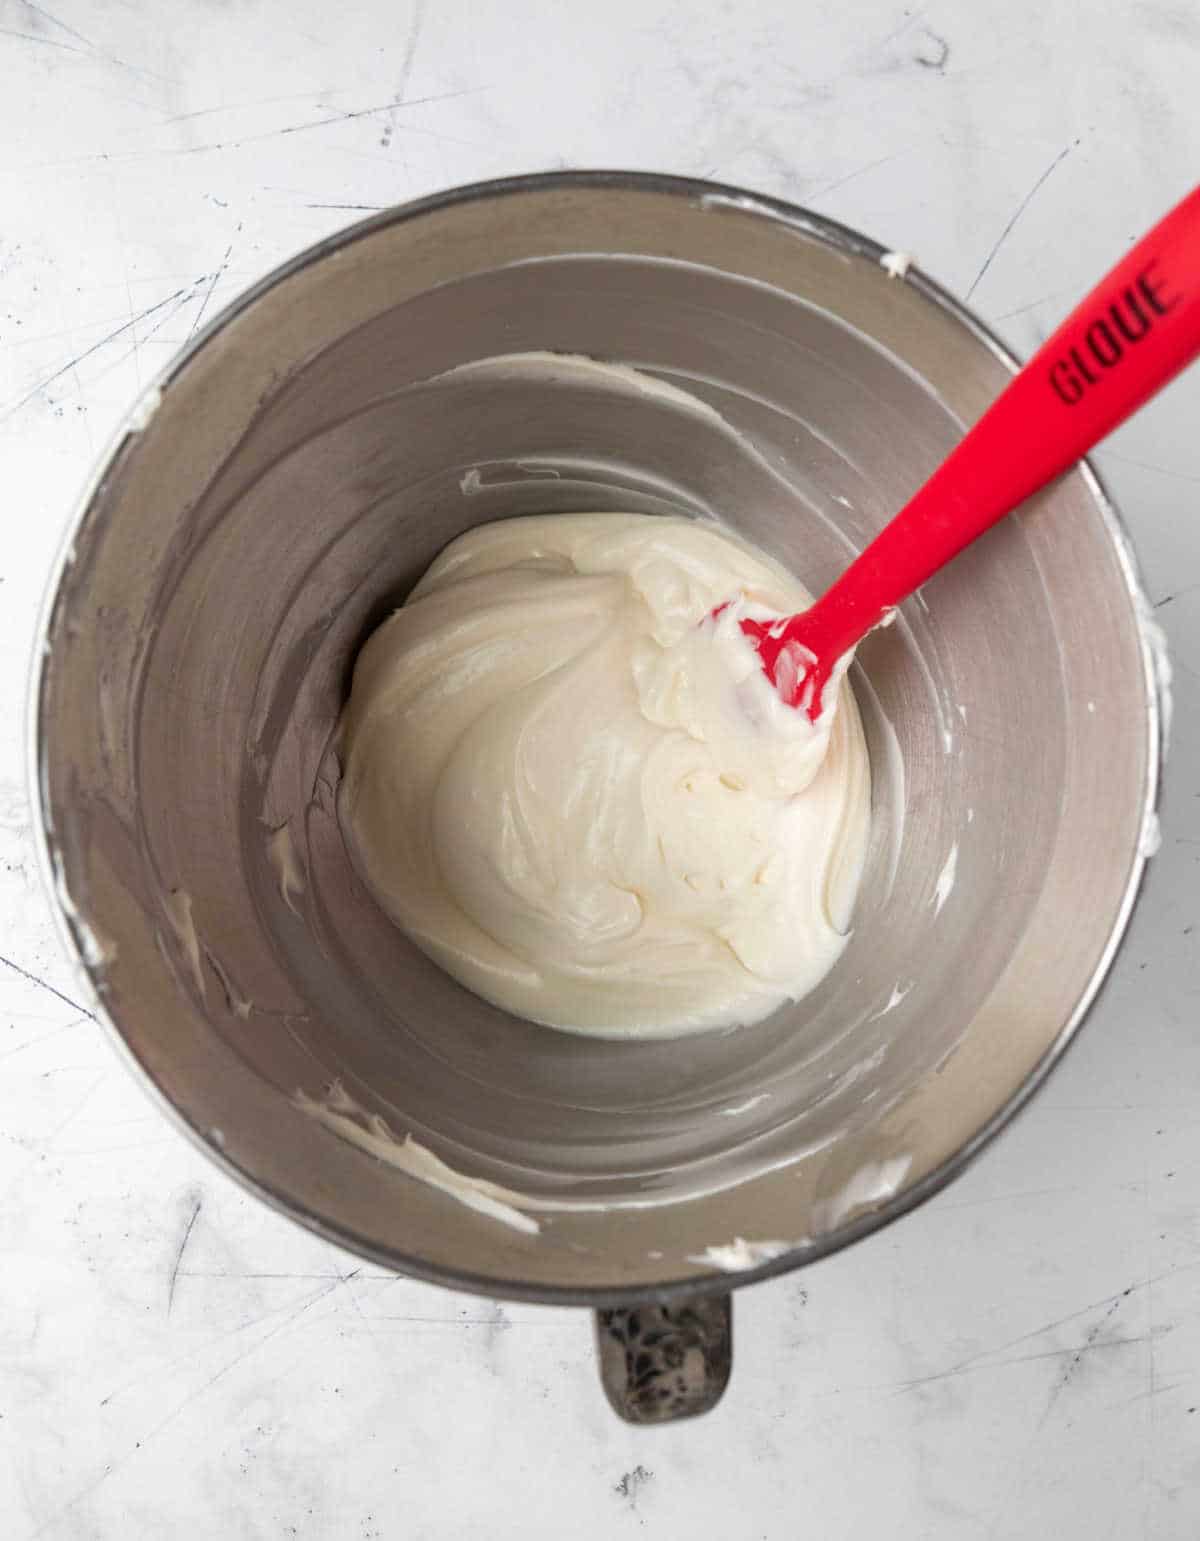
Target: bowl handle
{"points": [[660, 1362]]}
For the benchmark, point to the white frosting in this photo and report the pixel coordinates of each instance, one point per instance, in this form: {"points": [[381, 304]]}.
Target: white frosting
{"points": [[347, 1118], [744, 1107], [96, 953], [178, 905], [577, 369], [341, 1113], [737, 1255], [946, 880], [888, 764], [144, 409], [896, 263], [1154, 638], [893, 1000], [871, 1186], [281, 853], [581, 796]]}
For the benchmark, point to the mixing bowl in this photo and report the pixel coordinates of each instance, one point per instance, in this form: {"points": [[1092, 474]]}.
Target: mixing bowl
{"points": [[278, 493]]}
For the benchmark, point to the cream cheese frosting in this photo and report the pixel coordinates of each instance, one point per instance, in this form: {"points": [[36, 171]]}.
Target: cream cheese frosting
{"points": [[579, 794]]}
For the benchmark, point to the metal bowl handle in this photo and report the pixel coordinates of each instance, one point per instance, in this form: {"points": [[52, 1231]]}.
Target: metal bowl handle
{"points": [[662, 1362]]}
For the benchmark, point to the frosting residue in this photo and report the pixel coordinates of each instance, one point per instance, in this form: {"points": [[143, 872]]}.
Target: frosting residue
{"points": [[281, 853], [178, 905], [896, 263], [946, 880], [871, 1186], [738, 1255], [340, 1113]]}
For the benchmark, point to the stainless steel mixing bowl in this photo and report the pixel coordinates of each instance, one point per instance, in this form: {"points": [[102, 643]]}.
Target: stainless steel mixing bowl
{"points": [[308, 456]]}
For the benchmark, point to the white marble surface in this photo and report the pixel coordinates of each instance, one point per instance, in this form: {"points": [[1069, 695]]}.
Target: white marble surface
{"points": [[1022, 1357]]}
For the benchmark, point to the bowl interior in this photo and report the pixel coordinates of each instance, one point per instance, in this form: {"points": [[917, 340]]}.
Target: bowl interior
{"points": [[193, 807]]}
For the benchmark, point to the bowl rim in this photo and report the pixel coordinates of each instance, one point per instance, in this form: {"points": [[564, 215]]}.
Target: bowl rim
{"points": [[840, 238]]}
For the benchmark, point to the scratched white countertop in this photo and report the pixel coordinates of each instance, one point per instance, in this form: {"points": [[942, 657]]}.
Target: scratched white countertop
{"points": [[1020, 1358]]}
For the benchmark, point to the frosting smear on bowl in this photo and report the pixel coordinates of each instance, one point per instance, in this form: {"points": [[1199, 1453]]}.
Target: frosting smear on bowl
{"points": [[577, 791]]}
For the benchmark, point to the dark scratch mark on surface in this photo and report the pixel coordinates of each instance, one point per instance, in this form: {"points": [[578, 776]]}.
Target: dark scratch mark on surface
{"points": [[36, 1043], [1028, 1337], [933, 52], [45, 42], [896, 32], [232, 1275], [288, 1321], [216, 279], [182, 1248], [262, 101], [497, 1323], [406, 63], [631, 1484], [164, 320], [54, 22], [365, 208], [295, 128], [1009, 1363], [90, 1487], [57, 375], [37, 338], [89, 49], [338, 117], [1020, 209], [1157, 1391], [1086, 1346], [860, 172], [1148, 465], [34, 980], [1023, 310], [253, 1348], [223, 1337]]}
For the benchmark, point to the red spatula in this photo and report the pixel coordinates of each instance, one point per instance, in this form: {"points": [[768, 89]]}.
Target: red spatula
{"points": [[1136, 330]]}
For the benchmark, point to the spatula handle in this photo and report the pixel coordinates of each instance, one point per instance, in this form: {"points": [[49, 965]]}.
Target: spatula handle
{"points": [[1132, 334]]}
